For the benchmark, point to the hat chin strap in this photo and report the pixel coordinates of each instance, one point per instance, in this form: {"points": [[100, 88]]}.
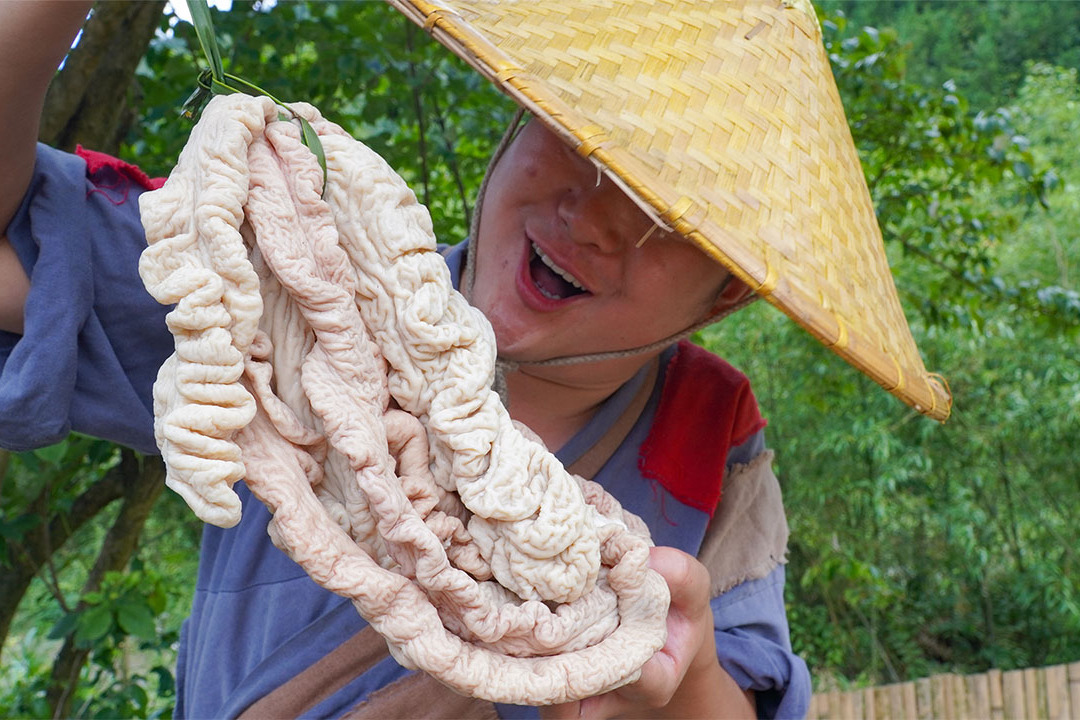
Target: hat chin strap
{"points": [[503, 366], [469, 274], [640, 350]]}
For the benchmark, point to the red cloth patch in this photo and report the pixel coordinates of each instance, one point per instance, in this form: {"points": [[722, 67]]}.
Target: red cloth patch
{"points": [[96, 162], [706, 409]]}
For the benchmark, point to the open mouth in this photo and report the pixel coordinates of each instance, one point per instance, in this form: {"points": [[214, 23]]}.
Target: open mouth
{"points": [[552, 281]]}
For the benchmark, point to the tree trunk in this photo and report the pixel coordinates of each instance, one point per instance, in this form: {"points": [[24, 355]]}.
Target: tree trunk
{"points": [[144, 479], [89, 101], [37, 547]]}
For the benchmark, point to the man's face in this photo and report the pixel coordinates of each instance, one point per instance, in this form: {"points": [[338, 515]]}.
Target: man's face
{"points": [[557, 270]]}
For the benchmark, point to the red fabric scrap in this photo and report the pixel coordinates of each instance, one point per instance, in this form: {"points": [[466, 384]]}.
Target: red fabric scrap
{"points": [[706, 409], [99, 164]]}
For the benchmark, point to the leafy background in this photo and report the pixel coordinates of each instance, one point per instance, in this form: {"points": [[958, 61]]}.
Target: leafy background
{"points": [[916, 548]]}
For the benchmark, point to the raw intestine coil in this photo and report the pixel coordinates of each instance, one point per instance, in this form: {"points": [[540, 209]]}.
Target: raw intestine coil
{"points": [[323, 357]]}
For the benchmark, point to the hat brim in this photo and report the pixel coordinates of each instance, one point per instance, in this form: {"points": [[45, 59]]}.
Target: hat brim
{"points": [[723, 122]]}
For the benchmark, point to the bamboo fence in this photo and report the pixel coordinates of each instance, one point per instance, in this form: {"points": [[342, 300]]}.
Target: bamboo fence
{"points": [[1050, 693]]}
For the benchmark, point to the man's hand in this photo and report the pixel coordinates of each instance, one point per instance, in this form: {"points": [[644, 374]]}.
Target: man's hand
{"points": [[683, 679]]}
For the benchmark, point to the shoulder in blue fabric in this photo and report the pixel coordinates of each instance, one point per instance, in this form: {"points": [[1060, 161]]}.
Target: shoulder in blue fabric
{"points": [[706, 409]]}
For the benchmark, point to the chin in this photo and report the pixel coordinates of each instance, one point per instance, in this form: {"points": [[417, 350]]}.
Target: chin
{"points": [[519, 352], [526, 347]]}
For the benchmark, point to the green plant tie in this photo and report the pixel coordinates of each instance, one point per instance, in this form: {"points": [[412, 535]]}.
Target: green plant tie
{"points": [[215, 81]]}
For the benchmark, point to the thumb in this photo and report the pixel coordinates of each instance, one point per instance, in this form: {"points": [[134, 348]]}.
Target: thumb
{"points": [[687, 579], [558, 712]]}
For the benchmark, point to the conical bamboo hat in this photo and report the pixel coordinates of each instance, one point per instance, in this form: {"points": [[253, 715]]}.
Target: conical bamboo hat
{"points": [[722, 120]]}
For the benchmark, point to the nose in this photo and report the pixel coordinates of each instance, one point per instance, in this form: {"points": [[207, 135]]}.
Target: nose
{"points": [[594, 214]]}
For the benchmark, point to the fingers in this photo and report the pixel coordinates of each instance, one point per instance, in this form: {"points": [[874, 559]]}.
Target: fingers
{"points": [[565, 711], [601, 707], [687, 579], [689, 626]]}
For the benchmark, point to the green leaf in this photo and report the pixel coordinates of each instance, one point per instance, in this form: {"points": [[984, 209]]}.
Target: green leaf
{"points": [[195, 102], [101, 451], [18, 527], [32, 462], [138, 695], [311, 140], [157, 601], [93, 624], [64, 626], [204, 28], [136, 619], [53, 454], [219, 87], [166, 681]]}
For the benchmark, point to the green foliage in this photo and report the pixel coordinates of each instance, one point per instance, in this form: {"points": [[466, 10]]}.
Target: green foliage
{"points": [[125, 605], [926, 154], [915, 548], [131, 670], [919, 548], [366, 68], [981, 45], [42, 483], [1048, 110], [129, 625], [25, 676], [130, 673]]}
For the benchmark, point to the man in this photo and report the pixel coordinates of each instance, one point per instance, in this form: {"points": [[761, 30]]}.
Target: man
{"points": [[588, 276]]}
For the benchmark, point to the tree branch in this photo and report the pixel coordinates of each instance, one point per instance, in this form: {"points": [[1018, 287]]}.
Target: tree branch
{"points": [[1021, 302], [46, 539], [53, 583], [88, 100], [455, 169], [144, 479]]}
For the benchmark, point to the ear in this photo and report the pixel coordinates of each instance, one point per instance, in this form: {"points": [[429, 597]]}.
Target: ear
{"points": [[733, 296]]}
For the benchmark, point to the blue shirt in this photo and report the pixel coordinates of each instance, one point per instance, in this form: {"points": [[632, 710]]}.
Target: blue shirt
{"points": [[87, 363]]}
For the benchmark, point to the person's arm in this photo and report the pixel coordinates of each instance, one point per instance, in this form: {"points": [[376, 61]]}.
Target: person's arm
{"points": [[84, 340], [14, 285], [684, 679], [34, 37]]}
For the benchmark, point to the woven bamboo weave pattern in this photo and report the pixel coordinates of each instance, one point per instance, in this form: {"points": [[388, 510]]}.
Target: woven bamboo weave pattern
{"points": [[723, 121]]}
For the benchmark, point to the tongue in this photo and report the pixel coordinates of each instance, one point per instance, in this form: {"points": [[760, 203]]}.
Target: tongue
{"points": [[550, 283]]}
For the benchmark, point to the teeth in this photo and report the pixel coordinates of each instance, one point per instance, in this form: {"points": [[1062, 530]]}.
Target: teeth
{"points": [[556, 269]]}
